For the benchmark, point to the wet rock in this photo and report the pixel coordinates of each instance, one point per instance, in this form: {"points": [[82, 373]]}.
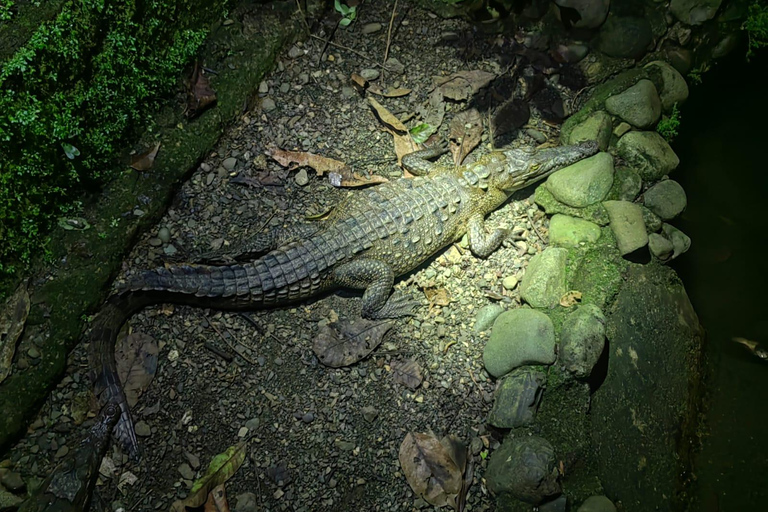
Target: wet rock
{"points": [[652, 221], [597, 504], [626, 184], [583, 183], [694, 12], [624, 37], [673, 89], [247, 502], [660, 246], [648, 154], [524, 468], [680, 241], [519, 337], [666, 199], [596, 127], [370, 73], [486, 316], [544, 280], [567, 231], [371, 28], [627, 225], [517, 398], [639, 105], [268, 104], [592, 13], [582, 340]]}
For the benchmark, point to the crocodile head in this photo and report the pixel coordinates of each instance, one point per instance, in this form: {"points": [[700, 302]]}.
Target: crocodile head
{"points": [[525, 166]]}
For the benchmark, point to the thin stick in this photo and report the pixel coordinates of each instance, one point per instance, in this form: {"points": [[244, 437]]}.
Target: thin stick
{"points": [[216, 350], [389, 32], [533, 225], [228, 343], [303, 17], [361, 55]]}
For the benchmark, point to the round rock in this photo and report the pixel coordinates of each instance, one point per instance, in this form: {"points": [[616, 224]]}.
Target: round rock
{"points": [[567, 231], [624, 37], [524, 468], [597, 504], [592, 13], [694, 12], [229, 163], [626, 184], [519, 337], [639, 105], [680, 241], [582, 340], [584, 183], [666, 199], [596, 127], [164, 234], [517, 398], [648, 154]]}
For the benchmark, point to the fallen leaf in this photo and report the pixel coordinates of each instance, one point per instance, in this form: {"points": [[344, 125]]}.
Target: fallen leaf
{"points": [[136, 357], [144, 161], [200, 95], [388, 93], [430, 469], [13, 316], [320, 164], [221, 469], [421, 132], [461, 85], [217, 500], [386, 117], [437, 296], [466, 133], [434, 111], [126, 479], [571, 298], [407, 372], [404, 145], [360, 83], [345, 342], [510, 116]]}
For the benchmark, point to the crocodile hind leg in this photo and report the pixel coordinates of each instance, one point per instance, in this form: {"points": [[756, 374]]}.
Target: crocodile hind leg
{"points": [[418, 164], [377, 278], [482, 244], [260, 243]]}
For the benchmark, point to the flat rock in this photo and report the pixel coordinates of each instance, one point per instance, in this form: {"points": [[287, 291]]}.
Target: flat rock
{"points": [[582, 340], [229, 163], [567, 231], [544, 280], [584, 183], [627, 225], [666, 199], [639, 105], [596, 127], [517, 398], [371, 28], [674, 88], [648, 154], [519, 337]]}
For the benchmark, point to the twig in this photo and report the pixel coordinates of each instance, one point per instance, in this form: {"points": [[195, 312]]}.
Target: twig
{"points": [[359, 54], [216, 350], [228, 343], [533, 225], [389, 32], [327, 42], [303, 17]]}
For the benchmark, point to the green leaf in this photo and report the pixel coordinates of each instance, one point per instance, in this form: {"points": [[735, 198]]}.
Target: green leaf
{"points": [[420, 133], [70, 150], [221, 469], [344, 22]]}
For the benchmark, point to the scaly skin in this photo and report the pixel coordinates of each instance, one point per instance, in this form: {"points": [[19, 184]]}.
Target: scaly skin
{"points": [[370, 238]]}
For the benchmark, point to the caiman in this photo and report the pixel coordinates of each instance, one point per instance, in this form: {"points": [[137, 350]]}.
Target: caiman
{"points": [[369, 239]]}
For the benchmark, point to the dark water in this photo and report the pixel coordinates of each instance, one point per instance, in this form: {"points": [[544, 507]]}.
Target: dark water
{"points": [[723, 148]]}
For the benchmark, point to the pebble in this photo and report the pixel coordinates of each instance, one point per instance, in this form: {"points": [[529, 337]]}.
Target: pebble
{"points": [[301, 178], [12, 481], [345, 446], [370, 73], [348, 92], [242, 432], [138, 213], [285, 87], [164, 234], [371, 28], [370, 413], [263, 87], [253, 423], [295, 52], [186, 472], [247, 502], [509, 282], [33, 352], [308, 418], [209, 179], [395, 66], [62, 452], [303, 78], [170, 250], [142, 429], [229, 163], [194, 460], [268, 104], [155, 242], [536, 135]]}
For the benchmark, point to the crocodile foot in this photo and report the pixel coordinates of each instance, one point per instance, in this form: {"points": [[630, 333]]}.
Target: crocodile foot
{"points": [[398, 305]]}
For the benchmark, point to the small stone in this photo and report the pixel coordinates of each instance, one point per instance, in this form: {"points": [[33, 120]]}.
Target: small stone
{"points": [[680, 241], [301, 178], [242, 432], [348, 92], [62, 452], [164, 234], [138, 212], [155, 242], [624, 36], [209, 179], [395, 66], [370, 73], [263, 87], [567, 231], [253, 423], [544, 280], [371, 28], [694, 12], [303, 78], [247, 502], [186, 472], [229, 163], [660, 246], [142, 429], [268, 104], [170, 250], [295, 52], [345, 446], [621, 128], [536, 135], [666, 199], [308, 417], [33, 352], [519, 337], [582, 340], [370, 413], [517, 398], [648, 154], [285, 87], [639, 105], [591, 13], [486, 316], [584, 183], [509, 282], [674, 89], [596, 127], [524, 467], [12, 481], [194, 460]]}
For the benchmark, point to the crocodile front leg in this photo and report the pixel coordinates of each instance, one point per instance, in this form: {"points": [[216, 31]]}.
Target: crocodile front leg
{"points": [[483, 245], [377, 278], [418, 164]]}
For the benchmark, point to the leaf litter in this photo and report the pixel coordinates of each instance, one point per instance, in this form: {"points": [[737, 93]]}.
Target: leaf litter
{"points": [[346, 342], [434, 468], [136, 357], [221, 468]]}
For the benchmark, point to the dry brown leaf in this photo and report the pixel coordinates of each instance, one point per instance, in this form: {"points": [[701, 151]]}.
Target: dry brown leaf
{"points": [[144, 161], [320, 164], [13, 316], [217, 500], [571, 298], [136, 357], [346, 342], [407, 372], [437, 296], [466, 134], [463, 84], [200, 95], [360, 83], [387, 117], [430, 469], [404, 145], [221, 469], [388, 93]]}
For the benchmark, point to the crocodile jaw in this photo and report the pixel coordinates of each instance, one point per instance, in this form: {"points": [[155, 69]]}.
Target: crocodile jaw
{"points": [[525, 167]]}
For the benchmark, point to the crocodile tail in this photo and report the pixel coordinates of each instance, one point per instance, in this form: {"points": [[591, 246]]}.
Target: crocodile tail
{"points": [[198, 280]]}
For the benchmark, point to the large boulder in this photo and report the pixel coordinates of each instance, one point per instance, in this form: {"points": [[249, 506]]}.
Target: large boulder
{"points": [[673, 88], [524, 468], [592, 13], [639, 105], [643, 414], [624, 36], [666, 199], [519, 337], [628, 225], [584, 183], [648, 154], [694, 12]]}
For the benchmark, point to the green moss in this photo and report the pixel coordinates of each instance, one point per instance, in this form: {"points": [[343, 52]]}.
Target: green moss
{"points": [[598, 275], [668, 126], [756, 26], [84, 79]]}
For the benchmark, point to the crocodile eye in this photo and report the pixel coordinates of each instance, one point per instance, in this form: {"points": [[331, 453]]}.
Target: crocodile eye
{"points": [[535, 167]]}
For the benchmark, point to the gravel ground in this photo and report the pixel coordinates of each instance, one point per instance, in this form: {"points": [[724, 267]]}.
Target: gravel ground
{"points": [[319, 438]]}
